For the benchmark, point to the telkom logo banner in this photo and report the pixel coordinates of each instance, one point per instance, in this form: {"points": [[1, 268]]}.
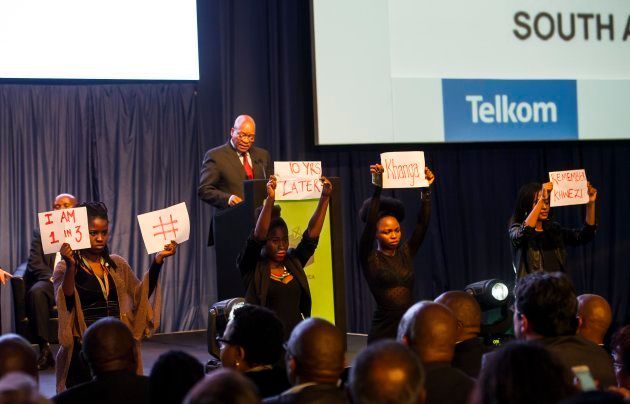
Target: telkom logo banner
{"points": [[508, 110]]}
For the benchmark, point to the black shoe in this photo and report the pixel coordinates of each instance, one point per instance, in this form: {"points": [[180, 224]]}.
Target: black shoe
{"points": [[46, 359]]}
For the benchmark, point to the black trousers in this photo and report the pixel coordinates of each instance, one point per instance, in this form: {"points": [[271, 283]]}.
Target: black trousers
{"points": [[39, 303]]}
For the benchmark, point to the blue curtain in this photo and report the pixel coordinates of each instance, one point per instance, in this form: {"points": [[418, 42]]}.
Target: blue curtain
{"points": [[135, 147]]}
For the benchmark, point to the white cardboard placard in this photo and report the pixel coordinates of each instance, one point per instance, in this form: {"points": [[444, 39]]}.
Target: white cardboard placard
{"points": [[159, 227]]}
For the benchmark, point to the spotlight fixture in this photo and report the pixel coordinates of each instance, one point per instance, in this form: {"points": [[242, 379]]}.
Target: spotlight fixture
{"points": [[494, 298], [218, 316]]}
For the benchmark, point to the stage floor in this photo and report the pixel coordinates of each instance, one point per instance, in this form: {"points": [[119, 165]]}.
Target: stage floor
{"points": [[193, 342]]}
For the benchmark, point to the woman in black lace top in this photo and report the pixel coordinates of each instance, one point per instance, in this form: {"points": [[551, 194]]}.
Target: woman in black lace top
{"points": [[388, 269]]}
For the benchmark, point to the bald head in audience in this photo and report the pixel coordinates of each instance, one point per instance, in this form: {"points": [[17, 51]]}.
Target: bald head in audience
{"points": [[315, 352], [595, 315], [108, 346], [466, 310], [16, 355], [430, 330], [223, 386], [387, 372]]}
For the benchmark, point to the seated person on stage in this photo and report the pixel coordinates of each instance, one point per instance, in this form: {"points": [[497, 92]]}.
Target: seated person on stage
{"points": [[172, 376], [469, 348], [314, 359], [39, 288], [223, 386], [252, 344], [546, 310], [109, 349], [91, 284], [595, 318], [538, 242], [522, 373], [430, 330], [274, 273], [387, 372], [388, 268]]}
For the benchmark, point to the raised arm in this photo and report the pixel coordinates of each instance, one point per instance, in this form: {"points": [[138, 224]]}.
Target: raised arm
{"points": [[156, 266], [543, 198], [422, 224], [264, 219], [590, 207], [317, 220], [366, 242], [67, 284]]}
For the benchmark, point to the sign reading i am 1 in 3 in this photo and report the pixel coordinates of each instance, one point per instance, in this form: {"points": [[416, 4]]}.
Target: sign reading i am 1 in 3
{"points": [[64, 226]]}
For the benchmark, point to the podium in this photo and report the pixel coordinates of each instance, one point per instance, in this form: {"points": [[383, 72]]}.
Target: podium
{"points": [[233, 225]]}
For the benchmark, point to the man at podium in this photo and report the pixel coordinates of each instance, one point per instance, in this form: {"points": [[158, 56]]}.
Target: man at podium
{"points": [[225, 167]]}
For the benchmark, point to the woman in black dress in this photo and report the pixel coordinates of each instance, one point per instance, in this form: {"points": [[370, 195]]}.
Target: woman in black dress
{"points": [[388, 269], [274, 273], [538, 242]]}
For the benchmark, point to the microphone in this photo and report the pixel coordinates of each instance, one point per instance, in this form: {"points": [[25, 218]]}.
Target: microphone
{"points": [[259, 161]]}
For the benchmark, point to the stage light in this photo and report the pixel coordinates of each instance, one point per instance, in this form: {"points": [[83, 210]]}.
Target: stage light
{"points": [[218, 316], [494, 298], [490, 293]]}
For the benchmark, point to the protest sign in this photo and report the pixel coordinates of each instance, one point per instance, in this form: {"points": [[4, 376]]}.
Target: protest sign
{"points": [[403, 170], [159, 227], [569, 187], [64, 226], [298, 180]]}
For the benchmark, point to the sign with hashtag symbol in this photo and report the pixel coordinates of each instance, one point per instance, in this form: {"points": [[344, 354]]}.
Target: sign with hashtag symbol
{"points": [[160, 227]]}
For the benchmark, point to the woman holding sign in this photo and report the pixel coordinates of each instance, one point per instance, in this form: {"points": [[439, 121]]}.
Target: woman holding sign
{"points": [[91, 284], [388, 269], [274, 273], [538, 243]]}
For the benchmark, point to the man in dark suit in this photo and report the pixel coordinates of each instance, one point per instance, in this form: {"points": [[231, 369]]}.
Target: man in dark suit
{"points": [[315, 361], [469, 348], [109, 349], [39, 293], [225, 167], [546, 310], [429, 329]]}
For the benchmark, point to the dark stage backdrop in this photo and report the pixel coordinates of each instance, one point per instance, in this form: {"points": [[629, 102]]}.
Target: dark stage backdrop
{"points": [[139, 147]]}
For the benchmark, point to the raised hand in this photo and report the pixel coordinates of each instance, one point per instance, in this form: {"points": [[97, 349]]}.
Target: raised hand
{"points": [[545, 190], [428, 174], [271, 187], [326, 186], [67, 253], [377, 174], [592, 193], [376, 169], [169, 249]]}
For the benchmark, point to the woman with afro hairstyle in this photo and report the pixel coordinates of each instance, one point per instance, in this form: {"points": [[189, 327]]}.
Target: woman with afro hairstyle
{"points": [[91, 284], [388, 268]]}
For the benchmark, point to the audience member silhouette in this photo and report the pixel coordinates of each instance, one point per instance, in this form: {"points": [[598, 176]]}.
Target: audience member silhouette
{"points": [[522, 373], [252, 344], [315, 359], [223, 386], [430, 330], [620, 345], [109, 350], [387, 372], [172, 376], [595, 317], [546, 310], [470, 347], [16, 355]]}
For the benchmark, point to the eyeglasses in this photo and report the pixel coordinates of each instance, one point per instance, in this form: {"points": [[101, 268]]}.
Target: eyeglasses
{"points": [[245, 136], [223, 342]]}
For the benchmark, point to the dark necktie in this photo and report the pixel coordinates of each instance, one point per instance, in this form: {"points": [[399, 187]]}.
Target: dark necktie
{"points": [[248, 169]]}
